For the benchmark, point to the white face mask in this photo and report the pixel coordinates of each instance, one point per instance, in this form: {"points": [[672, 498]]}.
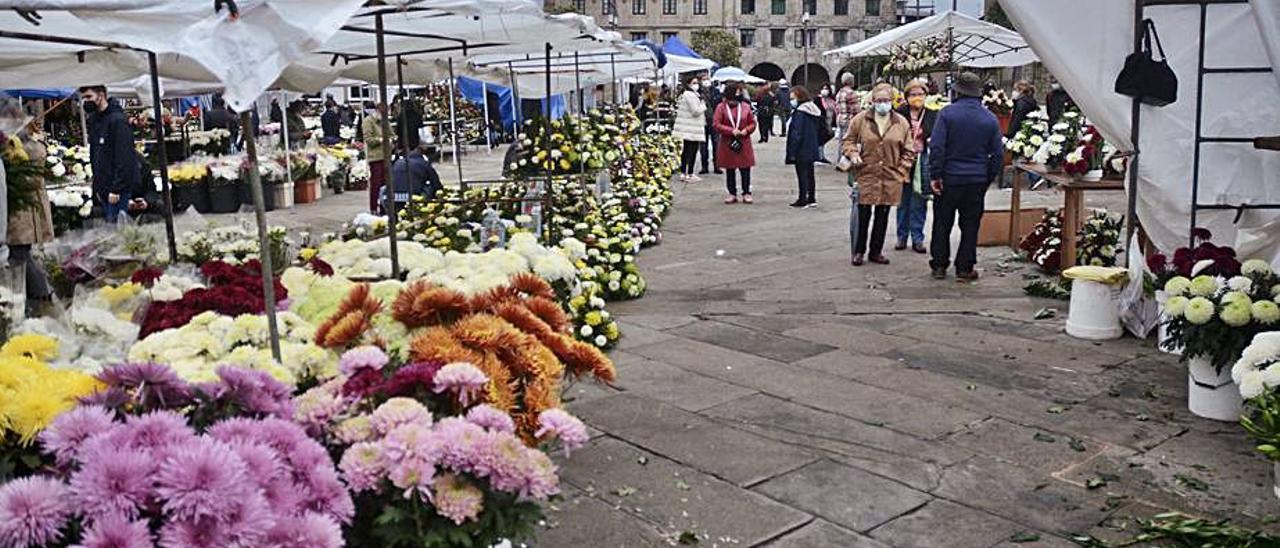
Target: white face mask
{"points": [[694, 86], [825, 93], [1017, 94], [1055, 86], [883, 108]]}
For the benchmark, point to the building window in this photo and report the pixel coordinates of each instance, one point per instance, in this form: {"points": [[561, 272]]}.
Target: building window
{"points": [[669, 35], [811, 7], [779, 7], [873, 8], [777, 38], [747, 38], [699, 7], [806, 38], [580, 6], [748, 7], [668, 7], [639, 7], [840, 37], [637, 36], [842, 7], [606, 7]]}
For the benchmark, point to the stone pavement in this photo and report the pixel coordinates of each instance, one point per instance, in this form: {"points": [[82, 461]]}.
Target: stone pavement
{"points": [[772, 395]]}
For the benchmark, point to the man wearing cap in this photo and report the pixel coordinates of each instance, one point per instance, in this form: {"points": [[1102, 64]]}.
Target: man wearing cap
{"points": [[966, 154], [784, 104]]}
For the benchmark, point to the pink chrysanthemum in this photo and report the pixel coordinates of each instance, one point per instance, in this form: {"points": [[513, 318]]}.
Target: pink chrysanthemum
{"points": [[33, 511], [413, 440], [64, 436], [148, 433], [512, 467], [362, 466], [414, 476], [459, 443], [457, 499], [202, 480], [397, 412], [317, 407], [355, 429], [194, 534], [309, 530], [362, 357], [113, 483], [461, 378], [117, 532], [260, 461], [556, 423], [326, 494], [490, 417]]}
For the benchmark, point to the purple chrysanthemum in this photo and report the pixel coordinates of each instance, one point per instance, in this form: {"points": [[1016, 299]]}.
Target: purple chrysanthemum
{"points": [[255, 392], [33, 511], [458, 442], [64, 436], [187, 533], [260, 461], [150, 432], [112, 397], [152, 385], [490, 417], [326, 494], [249, 520], [362, 357], [117, 532], [461, 378], [362, 466], [457, 499], [411, 440], [113, 482], [202, 480], [309, 530], [556, 423], [417, 376], [363, 383], [397, 412]]}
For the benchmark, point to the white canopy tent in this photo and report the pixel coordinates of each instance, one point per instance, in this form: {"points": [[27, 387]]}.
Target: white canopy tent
{"points": [[679, 64], [735, 74], [977, 43], [1084, 44]]}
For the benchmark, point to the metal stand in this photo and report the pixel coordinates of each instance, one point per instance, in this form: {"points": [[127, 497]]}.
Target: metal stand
{"points": [[158, 112], [392, 214], [264, 239]]}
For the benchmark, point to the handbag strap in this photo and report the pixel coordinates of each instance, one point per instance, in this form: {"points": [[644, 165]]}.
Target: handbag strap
{"points": [[1148, 33]]}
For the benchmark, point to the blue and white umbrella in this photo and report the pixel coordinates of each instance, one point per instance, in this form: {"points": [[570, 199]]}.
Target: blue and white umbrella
{"points": [[735, 74]]}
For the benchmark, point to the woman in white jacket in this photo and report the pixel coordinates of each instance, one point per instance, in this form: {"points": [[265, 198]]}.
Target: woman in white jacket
{"points": [[690, 127]]}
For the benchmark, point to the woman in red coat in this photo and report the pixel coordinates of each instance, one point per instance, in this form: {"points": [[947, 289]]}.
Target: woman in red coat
{"points": [[734, 123]]}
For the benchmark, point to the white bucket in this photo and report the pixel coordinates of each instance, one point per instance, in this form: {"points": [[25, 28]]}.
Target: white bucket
{"points": [[1092, 175], [1164, 336], [1093, 314], [283, 195], [1211, 394]]}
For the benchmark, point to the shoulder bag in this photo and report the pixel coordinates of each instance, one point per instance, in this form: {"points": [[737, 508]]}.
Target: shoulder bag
{"points": [[1143, 77]]}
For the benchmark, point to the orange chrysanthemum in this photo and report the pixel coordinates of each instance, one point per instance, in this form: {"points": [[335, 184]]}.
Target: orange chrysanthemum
{"points": [[549, 311], [423, 304], [532, 285], [486, 332], [523, 319], [488, 299], [354, 317], [582, 358]]}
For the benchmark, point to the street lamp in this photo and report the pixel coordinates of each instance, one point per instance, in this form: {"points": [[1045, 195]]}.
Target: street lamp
{"points": [[804, 43]]}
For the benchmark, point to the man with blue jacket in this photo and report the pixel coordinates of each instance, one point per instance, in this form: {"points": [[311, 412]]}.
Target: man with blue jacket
{"points": [[966, 154]]}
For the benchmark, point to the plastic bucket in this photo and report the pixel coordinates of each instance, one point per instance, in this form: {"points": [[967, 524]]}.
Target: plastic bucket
{"points": [[1211, 394], [1093, 314]]}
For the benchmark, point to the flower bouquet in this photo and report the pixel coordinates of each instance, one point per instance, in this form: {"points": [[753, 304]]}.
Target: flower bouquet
{"points": [[1043, 245], [1063, 138], [71, 206], [1086, 161], [1213, 317], [918, 57], [998, 102], [1099, 242], [32, 395], [1031, 136], [1257, 373]]}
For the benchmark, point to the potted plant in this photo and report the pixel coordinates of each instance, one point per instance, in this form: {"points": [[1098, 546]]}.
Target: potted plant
{"points": [[1213, 316], [305, 178], [1160, 270], [190, 182], [1257, 373], [224, 174], [266, 178], [1001, 105]]}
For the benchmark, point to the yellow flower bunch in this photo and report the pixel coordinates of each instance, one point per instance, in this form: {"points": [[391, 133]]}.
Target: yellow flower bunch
{"points": [[188, 173], [32, 394]]}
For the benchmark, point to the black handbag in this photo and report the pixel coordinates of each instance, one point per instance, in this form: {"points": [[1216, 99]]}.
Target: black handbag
{"points": [[735, 144], [1145, 78]]}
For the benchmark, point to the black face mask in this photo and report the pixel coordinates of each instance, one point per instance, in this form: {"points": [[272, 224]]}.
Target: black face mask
{"points": [[90, 107]]}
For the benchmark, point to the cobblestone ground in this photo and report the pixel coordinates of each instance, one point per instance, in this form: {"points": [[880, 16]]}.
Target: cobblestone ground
{"points": [[773, 395]]}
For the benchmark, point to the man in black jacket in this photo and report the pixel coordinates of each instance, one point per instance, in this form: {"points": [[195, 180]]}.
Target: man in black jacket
{"points": [[111, 151], [330, 125], [220, 117], [1057, 101]]}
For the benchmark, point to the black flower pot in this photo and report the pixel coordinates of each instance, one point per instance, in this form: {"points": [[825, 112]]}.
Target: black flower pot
{"points": [[224, 198], [197, 196], [268, 195]]}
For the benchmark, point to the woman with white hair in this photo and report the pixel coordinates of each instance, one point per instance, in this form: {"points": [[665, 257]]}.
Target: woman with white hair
{"points": [[880, 146], [847, 104]]}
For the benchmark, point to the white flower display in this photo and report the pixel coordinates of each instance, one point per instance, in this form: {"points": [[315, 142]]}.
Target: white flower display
{"points": [[1257, 369]]}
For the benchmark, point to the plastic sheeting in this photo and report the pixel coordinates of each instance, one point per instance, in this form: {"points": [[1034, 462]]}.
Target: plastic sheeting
{"points": [[978, 44], [1084, 43]]}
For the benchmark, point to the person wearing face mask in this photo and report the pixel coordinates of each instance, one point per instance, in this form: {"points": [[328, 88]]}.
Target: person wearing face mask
{"points": [[1024, 103], [690, 127], [111, 152], [711, 94], [766, 104], [880, 146], [826, 103], [735, 123], [1057, 101], [375, 153], [783, 104], [804, 143], [913, 208]]}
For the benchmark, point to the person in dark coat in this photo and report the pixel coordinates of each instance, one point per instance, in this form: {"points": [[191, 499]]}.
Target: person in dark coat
{"points": [[413, 174], [913, 209], [146, 204], [297, 133], [1024, 103], [804, 144], [712, 93], [1057, 101], [111, 151], [766, 105], [277, 115], [735, 123], [783, 105], [220, 117], [413, 119], [330, 124], [966, 154]]}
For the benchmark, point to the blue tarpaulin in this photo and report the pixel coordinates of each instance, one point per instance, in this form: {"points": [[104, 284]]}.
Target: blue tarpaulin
{"points": [[673, 46], [655, 49], [473, 90], [50, 93]]}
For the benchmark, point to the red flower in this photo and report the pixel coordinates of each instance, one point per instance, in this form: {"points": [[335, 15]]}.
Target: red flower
{"points": [[147, 276], [320, 267], [1157, 263]]}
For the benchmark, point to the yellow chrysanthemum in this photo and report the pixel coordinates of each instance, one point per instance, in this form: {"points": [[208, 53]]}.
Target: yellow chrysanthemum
{"points": [[38, 347], [117, 294]]}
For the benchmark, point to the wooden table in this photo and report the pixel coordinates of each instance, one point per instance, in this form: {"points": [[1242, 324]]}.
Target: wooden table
{"points": [[1072, 209]]}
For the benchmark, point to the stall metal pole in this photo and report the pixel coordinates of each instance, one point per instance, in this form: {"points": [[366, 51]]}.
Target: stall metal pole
{"points": [[577, 84], [488, 130], [613, 69], [546, 192], [1135, 132], [453, 121], [284, 132], [264, 238], [404, 116], [389, 185], [158, 112], [515, 98]]}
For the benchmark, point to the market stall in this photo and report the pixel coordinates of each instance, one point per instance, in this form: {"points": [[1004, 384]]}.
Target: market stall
{"points": [[941, 42]]}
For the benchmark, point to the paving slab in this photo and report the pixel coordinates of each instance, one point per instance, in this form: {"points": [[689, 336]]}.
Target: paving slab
{"points": [[693, 440], [670, 384], [1033, 500], [839, 335], [751, 341], [1038, 449], [849, 497], [580, 520], [945, 523], [634, 334], [678, 498], [823, 534]]}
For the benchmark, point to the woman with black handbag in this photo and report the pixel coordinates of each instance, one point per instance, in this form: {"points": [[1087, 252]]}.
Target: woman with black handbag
{"points": [[735, 123]]}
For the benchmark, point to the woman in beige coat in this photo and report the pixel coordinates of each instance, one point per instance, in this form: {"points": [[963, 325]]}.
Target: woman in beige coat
{"points": [[31, 226], [879, 144]]}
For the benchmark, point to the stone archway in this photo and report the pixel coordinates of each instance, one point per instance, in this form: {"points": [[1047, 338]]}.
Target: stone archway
{"points": [[768, 71], [817, 77]]}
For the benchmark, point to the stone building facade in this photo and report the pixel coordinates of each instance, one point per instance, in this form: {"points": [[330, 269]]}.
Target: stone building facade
{"points": [[771, 32]]}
